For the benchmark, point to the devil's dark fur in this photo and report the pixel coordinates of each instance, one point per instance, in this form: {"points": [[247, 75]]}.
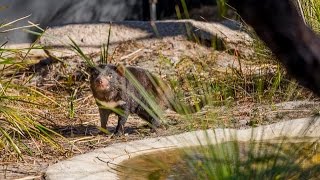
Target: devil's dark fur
{"points": [[116, 92]]}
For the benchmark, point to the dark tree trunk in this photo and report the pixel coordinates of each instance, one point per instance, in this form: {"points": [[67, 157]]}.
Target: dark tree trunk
{"points": [[279, 25]]}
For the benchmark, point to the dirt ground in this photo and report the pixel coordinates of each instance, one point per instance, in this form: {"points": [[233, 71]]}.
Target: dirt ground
{"points": [[167, 57]]}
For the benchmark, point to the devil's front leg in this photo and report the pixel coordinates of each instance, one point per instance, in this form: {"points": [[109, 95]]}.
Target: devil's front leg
{"points": [[104, 116], [122, 119]]}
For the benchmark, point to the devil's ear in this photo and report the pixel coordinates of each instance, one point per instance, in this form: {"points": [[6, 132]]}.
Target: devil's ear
{"points": [[91, 69], [121, 69]]}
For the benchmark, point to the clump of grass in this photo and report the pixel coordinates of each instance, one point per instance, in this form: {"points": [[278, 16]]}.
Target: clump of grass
{"points": [[9, 26], [254, 160], [17, 119], [228, 160], [222, 8], [310, 10]]}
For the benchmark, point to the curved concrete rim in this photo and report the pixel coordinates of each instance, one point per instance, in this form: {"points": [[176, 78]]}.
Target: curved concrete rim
{"points": [[101, 163]]}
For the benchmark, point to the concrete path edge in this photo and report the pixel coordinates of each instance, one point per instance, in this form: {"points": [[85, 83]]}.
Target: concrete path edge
{"points": [[101, 163]]}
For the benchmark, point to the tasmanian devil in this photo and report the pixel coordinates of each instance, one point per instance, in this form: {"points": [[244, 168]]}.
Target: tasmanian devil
{"points": [[132, 90]]}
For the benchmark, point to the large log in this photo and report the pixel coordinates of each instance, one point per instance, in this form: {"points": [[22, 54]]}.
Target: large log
{"points": [[279, 25]]}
